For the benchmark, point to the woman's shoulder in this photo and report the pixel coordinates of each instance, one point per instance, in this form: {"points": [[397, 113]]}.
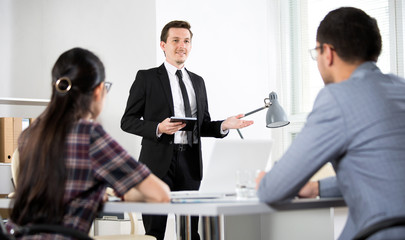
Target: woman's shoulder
{"points": [[87, 126]]}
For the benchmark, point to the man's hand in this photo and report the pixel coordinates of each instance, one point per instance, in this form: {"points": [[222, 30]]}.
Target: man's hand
{"points": [[259, 178], [170, 127], [309, 190], [235, 122]]}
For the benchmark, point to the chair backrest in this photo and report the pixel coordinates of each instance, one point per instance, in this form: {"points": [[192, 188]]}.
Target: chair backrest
{"points": [[3, 232], [6, 185], [376, 227], [15, 162], [54, 229], [43, 228], [9, 172]]}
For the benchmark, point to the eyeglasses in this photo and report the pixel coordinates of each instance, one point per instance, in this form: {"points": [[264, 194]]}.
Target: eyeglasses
{"points": [[107, 86], [314, 53]]}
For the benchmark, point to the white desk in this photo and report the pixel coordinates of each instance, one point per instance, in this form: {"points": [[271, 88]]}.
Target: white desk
{"points": [[213, 214], [208, 208], [298, 219]]}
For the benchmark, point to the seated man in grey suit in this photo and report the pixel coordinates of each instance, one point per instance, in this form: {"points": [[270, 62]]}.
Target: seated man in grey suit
{"points": [[357, 123]]}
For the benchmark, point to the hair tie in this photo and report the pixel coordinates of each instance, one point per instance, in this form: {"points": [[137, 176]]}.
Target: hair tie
{"points": [[63, 85]]}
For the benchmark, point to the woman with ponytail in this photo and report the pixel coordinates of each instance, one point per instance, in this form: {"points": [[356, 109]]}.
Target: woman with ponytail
{"points": [[66, 159]]}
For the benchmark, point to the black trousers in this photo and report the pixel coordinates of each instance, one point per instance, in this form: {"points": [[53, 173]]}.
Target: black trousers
{"points": [[182, 175]]}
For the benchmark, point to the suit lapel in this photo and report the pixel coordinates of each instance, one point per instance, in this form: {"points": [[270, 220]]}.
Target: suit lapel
{"points": [[164, 79]]}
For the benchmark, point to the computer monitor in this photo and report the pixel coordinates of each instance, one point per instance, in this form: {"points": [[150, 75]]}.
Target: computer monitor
{"points": [[227, 157]]}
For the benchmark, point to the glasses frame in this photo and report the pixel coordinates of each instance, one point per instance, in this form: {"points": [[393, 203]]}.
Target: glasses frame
{"points": [[107, 86], [314, 53]]}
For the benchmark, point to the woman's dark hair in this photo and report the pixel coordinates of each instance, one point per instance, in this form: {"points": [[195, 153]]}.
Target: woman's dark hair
{"points": [[353, 34], [41, 175], [174, 24]]}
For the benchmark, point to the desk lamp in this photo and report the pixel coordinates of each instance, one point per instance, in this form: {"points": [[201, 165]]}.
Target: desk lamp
{"points": [[275, 116]]}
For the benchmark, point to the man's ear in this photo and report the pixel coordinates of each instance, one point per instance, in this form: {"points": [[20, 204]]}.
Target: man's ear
{"points": [[329, 55], [162, 45]]}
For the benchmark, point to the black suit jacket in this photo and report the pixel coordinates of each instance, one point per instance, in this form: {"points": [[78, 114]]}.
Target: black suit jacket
{"points": [[150, 102]]}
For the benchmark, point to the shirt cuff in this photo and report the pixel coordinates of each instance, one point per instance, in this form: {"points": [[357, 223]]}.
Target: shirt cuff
{"points": [[158, 135], [222, 131]]}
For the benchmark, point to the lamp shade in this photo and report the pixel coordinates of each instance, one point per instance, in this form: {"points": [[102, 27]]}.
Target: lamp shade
{"points": [[275, 116]]}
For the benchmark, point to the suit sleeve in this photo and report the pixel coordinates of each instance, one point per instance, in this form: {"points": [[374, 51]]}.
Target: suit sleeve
{"points": [[322, 140], [328, 187], [132, 120]]}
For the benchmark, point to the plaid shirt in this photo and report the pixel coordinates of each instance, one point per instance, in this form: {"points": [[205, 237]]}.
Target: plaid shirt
{"points": [[93, 160]]}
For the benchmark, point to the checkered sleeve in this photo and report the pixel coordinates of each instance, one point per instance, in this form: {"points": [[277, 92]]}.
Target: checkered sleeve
{"points": [[112, 164]]}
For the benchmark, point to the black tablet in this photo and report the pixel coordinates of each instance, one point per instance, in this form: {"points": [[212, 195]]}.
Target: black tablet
{"points": [[190, 122]]}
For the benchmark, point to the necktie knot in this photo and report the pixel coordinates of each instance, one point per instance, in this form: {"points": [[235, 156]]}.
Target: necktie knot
{"points": [[179, 74]]}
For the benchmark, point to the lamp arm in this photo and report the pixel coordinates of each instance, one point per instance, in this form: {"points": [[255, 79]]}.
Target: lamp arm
{"points": [[240, 134], [255, 111], [267, 104]]}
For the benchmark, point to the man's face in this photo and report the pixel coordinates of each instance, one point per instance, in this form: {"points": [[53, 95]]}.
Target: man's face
{"points": [[177, 46]]}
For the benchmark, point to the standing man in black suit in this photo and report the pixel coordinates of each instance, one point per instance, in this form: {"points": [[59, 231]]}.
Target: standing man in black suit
{"points": [[160, 93]]}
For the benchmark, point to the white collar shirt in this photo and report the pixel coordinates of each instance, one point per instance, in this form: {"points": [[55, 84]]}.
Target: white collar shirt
{"points": [[180, 137]]}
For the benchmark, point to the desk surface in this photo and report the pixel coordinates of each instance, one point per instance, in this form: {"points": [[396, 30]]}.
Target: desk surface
{"points": [[309, 203], [214, 208]]}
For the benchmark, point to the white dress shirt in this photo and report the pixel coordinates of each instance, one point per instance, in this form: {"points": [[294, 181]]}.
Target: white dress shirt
{"points": [[180, 137]]}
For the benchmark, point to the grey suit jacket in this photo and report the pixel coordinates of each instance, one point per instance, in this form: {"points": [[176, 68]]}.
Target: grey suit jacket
{"points": [[359, 126]]}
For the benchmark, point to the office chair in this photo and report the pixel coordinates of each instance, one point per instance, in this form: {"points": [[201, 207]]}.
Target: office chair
{"points": [[3, 232], [131, 236], [376, 227], [42, 228]]}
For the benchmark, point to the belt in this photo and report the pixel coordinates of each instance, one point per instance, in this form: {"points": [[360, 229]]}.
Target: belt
{"points": [[181, 147]]}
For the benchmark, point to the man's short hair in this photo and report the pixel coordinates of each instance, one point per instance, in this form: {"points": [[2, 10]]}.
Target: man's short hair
{"points": [[174, 24], [353, 34]]}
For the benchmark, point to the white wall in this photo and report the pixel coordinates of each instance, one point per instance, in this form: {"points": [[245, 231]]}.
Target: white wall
{"points": [[5, 40], [234, 50], [34, 33]]}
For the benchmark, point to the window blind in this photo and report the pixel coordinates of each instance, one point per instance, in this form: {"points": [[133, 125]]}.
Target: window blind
{"points": [[304, 19]]}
